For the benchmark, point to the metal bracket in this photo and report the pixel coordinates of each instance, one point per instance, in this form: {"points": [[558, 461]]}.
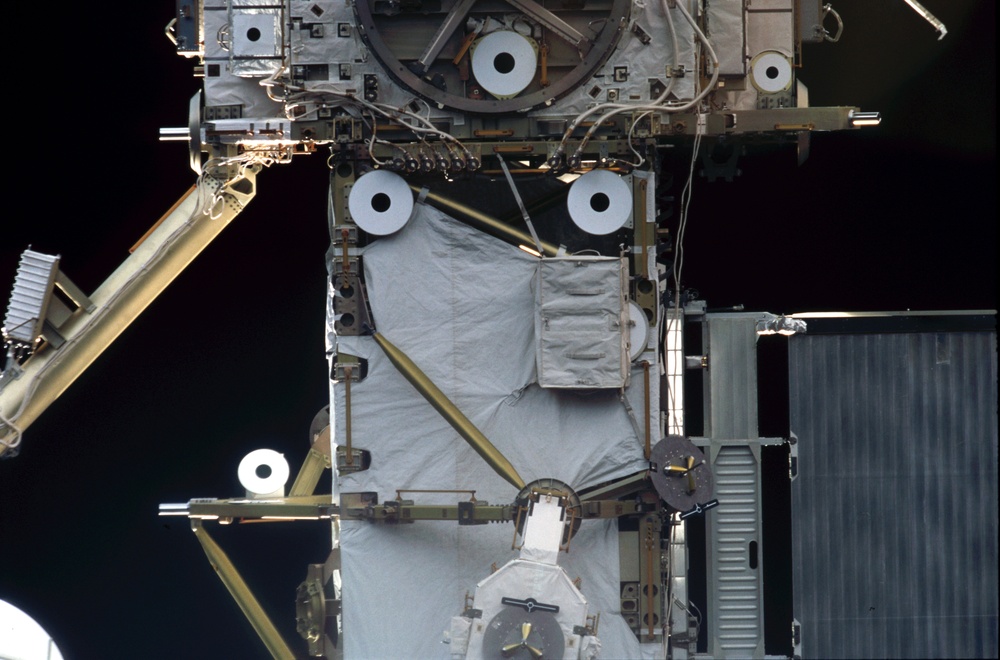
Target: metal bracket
{"points": [[699, 509], [317, 607], [357, 462], [346, 369], [10, 372], [467, 514], [350, 304], [359, 500], [340, 232]]}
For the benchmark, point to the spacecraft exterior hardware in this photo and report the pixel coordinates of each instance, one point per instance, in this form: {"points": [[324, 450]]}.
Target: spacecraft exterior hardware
{"points": [[505, 312], [500, 293]]}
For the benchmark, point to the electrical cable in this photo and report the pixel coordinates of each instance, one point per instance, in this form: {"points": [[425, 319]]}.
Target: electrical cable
{"points": [[623, 107], [674, 314], [318, 95], [658, 105], [16, 433]]}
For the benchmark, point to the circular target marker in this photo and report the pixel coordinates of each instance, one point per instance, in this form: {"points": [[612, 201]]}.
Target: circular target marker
{"points": [[504, 63], [771, 72], [599, 202], [380, 202], [263, 472]]}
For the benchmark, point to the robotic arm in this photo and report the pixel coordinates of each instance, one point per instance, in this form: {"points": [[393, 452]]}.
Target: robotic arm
{"points": [[48, 344]]}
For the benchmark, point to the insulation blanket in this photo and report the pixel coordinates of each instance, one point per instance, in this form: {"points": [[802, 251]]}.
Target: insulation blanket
{"points": [[461, 305]]}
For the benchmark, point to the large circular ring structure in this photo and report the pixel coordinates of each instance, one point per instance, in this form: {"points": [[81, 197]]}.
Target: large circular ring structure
{"points": [[561, 489], [424, 45]]}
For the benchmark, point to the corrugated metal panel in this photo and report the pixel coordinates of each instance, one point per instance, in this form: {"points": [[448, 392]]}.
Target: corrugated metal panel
{"points": [[894, 511], [736, 614], [30, 298]]}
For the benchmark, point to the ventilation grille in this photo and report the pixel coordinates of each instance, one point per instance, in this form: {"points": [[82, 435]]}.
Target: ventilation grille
{"points": [[30, 298]]}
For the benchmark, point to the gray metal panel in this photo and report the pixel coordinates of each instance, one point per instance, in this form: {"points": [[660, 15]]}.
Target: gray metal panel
{"points": [[735, 603], [731, 379], [725, 29], [894, 511], [735, 614], [810, 16]]}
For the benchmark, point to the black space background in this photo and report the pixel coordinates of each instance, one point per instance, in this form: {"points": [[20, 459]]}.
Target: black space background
{"points": [[230, 358]]}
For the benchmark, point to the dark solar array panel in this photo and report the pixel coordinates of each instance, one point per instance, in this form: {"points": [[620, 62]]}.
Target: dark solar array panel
{"points": [[894, 510]]}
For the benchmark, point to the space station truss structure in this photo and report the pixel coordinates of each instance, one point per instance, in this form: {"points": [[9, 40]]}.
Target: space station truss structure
{"points": [[530, 419]]}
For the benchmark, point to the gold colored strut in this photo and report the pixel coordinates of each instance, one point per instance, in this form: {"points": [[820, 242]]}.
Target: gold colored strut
{"points": [[450, 412], [241, 593], [477, 218]]}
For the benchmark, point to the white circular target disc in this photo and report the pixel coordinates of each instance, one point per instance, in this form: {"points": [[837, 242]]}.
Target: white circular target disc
{"points": [[504, 63], [276, 472], [380, 202], [771, 72], [599, 202]]}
